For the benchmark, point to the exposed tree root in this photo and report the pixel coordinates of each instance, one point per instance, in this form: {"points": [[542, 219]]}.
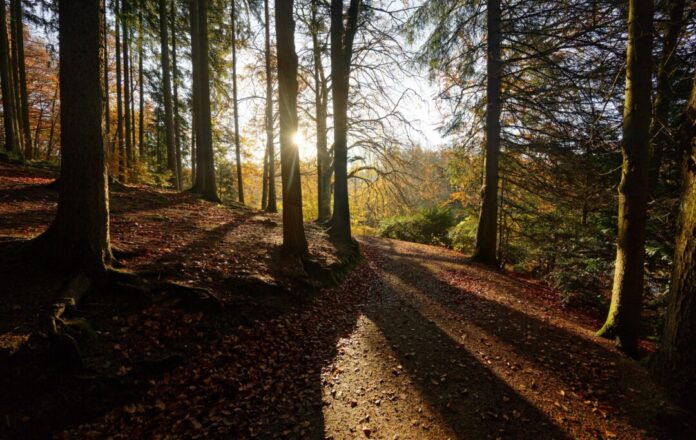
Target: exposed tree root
{"points": [[190, 297]]}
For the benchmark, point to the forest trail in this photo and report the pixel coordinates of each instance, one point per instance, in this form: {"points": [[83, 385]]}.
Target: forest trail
{"points": [[446, 349]]}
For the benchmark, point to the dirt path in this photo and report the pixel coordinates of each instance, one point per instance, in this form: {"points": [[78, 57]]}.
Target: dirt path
{"points": [[446, 349]]}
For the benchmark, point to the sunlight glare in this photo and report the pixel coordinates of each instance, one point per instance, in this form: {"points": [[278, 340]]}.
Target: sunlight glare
{"points": [[303, 146]]}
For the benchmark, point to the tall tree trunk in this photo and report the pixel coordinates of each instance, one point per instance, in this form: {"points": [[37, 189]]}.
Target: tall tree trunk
{"points": [[49, 144], [194, 151], [6, 78], [623, 320], [14, 82], [167, 94], [271, 206], [107, 98], [37, 130], [675, 362], [264, 181], [18, 25], [294, 241], [341, 54], [660, 129], [78, 238], [126, 90], [119, 95], [175, 75], [485, 248], [235, 103], [132, 98], [16, 93], [205, 183], [324, 170], [141, 88]]}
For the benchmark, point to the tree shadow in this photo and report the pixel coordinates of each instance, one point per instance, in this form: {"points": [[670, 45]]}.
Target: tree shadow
{"points": [[470, 398], [578, 363]]}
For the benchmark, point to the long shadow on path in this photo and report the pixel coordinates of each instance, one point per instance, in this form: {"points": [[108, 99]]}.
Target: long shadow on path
{"points": [[606, 388]]}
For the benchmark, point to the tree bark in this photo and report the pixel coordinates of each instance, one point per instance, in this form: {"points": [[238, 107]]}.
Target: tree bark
{"points": [[6, 77], [486, 240], [341, 54], [235, 104], [78, 238], [661, 128], [119, 95], [321, 90], [167, 95], [37, 130], [675, 362], [264, 181], [271, 205], [205, 183], [107, 97], [18, 23], [49, 144], [175, 74], [126, 91], [623, 319], [14, 71], [294, 241], [141, 88]]}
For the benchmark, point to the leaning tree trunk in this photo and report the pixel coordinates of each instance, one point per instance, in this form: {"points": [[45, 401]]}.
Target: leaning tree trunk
{"points": [[271, 205], [235, 105], [167, 95], [294, 241], [627, 293], [18, 24], [324, 170], [205, 167], [78, 238], [341, 54], [5, 77], [660, 130], [485, 248]]}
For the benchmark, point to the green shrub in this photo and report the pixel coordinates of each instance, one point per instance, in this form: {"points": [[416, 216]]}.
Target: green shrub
{"points": [[429, 226], [462, 236]]}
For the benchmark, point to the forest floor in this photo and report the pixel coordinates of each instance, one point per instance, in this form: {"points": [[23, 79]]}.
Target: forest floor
{"points": [[415, 343]]}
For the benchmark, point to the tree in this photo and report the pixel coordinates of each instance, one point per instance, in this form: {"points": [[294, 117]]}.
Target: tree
{"points": [[120, 145], [175, 85], [675, 361], [5, 77], [623, 319], [235, 104], [167, 95], [321, 95], [23, 109], [486, 233], [269, 173], [294, 241], [205, 162], [127, 95], [664, 95], [341, 54], [78, 237]]}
